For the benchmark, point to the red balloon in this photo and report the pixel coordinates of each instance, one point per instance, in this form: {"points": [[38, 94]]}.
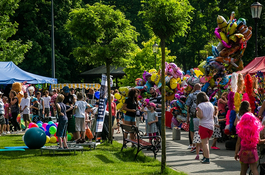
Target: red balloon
{"points": [[34, 125]]}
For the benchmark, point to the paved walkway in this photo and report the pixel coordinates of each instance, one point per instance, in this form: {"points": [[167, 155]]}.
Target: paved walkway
{"points": [[179, 157]]}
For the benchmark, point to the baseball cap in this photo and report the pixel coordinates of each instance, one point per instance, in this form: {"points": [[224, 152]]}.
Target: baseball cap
{"points": [[66, 89], [34, 99]]}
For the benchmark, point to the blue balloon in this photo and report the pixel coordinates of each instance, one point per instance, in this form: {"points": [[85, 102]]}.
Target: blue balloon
{"points": [[39, 122], [47, 133], [53, 125], [48, 127], [97, 94], [42, 128]]}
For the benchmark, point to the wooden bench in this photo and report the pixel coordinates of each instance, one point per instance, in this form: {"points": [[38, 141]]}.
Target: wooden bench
{"points": [[140, 141]]}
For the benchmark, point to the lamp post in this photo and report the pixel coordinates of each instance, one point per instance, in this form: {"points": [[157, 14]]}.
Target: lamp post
{"points": [[52, 44], [155, 49], [256, 9]]}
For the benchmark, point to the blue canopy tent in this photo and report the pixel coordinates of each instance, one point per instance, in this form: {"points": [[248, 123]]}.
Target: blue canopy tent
{"points": [[11, 73]]}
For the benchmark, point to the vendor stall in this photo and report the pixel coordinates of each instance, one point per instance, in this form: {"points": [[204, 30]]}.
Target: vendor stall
{"points": [[76, 85]]}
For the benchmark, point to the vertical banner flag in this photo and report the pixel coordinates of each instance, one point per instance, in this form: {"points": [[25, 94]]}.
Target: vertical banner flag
{"points": [[102, 103]]}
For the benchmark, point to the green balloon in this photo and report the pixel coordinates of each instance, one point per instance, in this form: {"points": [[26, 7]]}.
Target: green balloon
{"points": [[50, 122], [52, 130], [69, 137], [39, 125]]}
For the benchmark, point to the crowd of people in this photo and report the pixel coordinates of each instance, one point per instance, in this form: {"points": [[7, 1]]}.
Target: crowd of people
{"points": [[194, 113]]}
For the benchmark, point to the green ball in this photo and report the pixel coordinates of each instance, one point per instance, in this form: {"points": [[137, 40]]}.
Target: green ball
{"points": [[69, 137], [39, 125], [52, 130]]}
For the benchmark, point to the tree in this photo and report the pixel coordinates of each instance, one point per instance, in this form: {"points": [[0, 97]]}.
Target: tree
{"points": [[10, 50], [107, 37], [144, 60], [167, 19], [34, 17]]}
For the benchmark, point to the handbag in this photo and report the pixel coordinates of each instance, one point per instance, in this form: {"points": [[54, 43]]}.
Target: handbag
{"points": [[89, 134], [115, 125], [185, 126]]}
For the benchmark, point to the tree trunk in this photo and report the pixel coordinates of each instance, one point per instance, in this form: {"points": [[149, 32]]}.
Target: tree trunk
{"points": [[163, 134], [109, 102]]}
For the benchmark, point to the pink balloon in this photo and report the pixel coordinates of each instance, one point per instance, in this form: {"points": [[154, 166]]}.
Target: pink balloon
{"points": [[56, 125], [44, 125], [30, 125]]}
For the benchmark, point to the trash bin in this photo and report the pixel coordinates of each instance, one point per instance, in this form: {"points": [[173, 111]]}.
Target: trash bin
{"points": [[176, 133]]}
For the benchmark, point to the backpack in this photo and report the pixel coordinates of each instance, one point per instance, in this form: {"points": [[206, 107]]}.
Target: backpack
{"points": [[194, 104]]}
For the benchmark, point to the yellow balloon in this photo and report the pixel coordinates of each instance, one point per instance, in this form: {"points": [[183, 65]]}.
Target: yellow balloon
{"points": [[201, 67], [117, 96], [212, 82], [173, 83], [178, 80], [155, 78], [71, 135], [231, 30], [122, 99], [47, 139], [198, 72], [223, 37], [124, 91], [152, 71], [119, 106], [53, 139]]}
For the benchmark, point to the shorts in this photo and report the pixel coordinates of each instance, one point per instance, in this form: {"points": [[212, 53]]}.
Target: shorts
{"points": [[129, 118], [2, 119], [205, 132], [71, 124], [62, 128], [7, 121], [80, 124], [191, 124], [248, 156], [47, 112], [26, 117]]}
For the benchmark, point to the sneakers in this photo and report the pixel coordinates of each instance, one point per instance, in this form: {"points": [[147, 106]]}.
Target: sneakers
{"points": [[205, 161], [201, 152], [8, 132], [189, 147], [197, 157], [214, 147], [193, 149]]}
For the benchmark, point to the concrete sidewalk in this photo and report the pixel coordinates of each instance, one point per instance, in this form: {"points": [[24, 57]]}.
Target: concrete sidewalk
{"points": [[179, 157]]}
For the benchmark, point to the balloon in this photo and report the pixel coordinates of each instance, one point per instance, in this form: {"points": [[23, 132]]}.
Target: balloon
{"points": [[33, 125], [50, 122], [97, 94], [155, 78], [35, 138], [53, 139], [44, 125], [124, 91], [47, 133], [39, 125], [173, 83], [117, 96], [39, 122], [48, 127], [119, 106], [47, 139], [152, 71], [52, 129], [42, 128], [56, 124], [69, 137]]}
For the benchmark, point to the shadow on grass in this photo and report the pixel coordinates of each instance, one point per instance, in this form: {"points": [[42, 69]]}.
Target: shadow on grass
{"points": [[104, 159]]}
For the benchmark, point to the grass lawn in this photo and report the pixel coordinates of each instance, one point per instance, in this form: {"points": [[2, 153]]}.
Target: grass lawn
{"points": [[105, 159]]}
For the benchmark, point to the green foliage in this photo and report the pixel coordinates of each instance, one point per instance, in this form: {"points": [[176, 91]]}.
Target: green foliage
{"points": [[106, 36], [34, 17], [167, 18], [144, 60], [10, 50]]}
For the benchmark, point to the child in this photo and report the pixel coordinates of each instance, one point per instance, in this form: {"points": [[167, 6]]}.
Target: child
{"points": [[79, 110], [144, 107], [46, 101], [88, 122], [63, 122], [216, 132], [197, 138], [152, 119], [6, 105], [248, 129], [35, 110]]}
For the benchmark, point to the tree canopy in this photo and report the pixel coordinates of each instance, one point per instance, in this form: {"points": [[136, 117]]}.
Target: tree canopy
{"points": [[10, 50], [106, 36]]}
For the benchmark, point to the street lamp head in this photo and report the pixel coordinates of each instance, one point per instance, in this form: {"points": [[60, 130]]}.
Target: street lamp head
{"points": [[256, 9], [155, 48]]}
